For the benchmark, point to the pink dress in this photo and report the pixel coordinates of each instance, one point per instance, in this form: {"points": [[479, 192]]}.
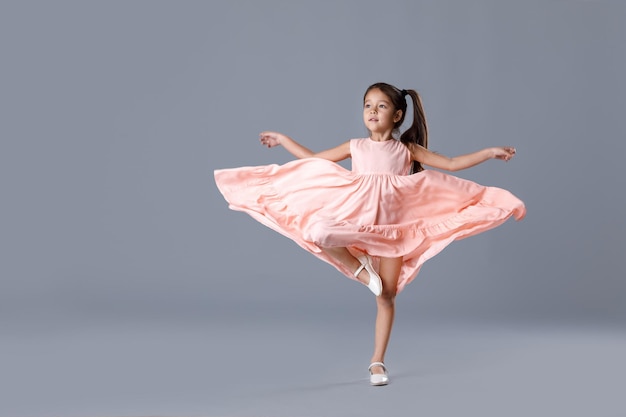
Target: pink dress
{"points": [[376, 208]]}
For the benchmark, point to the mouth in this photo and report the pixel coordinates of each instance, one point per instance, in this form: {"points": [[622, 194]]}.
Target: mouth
{"points": [[373, 119]]}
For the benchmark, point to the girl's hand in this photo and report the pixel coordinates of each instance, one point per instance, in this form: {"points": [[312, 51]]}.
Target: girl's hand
{"points": [[271, 139], [505, 153]]}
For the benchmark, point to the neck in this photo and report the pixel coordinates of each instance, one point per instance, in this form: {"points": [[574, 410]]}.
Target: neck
{"points": [[380, 136]]}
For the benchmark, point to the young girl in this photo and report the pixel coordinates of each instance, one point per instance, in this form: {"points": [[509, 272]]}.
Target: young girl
{"points": [[381, 221]]}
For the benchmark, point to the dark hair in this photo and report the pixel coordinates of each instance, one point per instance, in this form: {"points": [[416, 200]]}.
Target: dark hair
{"points": [[418, 132]]}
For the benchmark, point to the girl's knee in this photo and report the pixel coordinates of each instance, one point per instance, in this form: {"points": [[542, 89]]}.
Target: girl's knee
{"points": [[387, 297]]}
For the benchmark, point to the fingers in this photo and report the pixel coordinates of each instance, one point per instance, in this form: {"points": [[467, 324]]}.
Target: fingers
{"points": [[505, 153], [512, 152], [509, 153], [268, 139]]}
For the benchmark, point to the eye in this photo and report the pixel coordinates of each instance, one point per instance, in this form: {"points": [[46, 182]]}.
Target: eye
{"points": [[382, 106]]}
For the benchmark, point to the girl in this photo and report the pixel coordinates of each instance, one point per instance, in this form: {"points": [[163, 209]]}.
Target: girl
{"points": [[381, 221]]}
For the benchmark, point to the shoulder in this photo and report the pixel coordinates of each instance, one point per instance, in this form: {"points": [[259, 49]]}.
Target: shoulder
{"points": [[358, 141], [355, 141], [415, 149]]}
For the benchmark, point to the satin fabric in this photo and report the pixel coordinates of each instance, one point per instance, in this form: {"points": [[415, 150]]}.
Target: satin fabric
{"points": [[376, 208]]}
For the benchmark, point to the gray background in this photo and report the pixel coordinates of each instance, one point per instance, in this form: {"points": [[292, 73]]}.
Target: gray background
{"points": [[129, 288]]}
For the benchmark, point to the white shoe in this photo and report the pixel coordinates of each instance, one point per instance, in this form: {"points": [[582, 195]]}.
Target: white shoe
{"points": [[378, 379], [375, 285]]}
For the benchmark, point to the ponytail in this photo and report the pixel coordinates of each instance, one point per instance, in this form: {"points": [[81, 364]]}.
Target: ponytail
{"points": [[418, 132]]}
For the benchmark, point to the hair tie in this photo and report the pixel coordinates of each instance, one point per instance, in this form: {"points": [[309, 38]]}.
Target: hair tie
{"points": [[404, 93]]}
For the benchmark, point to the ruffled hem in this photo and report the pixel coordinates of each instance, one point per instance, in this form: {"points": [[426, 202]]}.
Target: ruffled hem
{"points": [[313, 224]]}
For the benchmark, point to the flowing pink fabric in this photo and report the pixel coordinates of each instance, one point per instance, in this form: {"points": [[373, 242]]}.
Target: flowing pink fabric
{"points": [[376, 208]]}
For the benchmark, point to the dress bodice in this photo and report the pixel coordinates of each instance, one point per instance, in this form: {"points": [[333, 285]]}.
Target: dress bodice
{"points": [[388, 157]]}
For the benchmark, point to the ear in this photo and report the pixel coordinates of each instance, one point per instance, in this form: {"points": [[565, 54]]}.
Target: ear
{"points": [[397, 116]]}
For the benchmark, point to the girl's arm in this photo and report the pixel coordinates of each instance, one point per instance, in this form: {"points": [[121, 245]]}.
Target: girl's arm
{"points": [[457, 163], [271, 139]]}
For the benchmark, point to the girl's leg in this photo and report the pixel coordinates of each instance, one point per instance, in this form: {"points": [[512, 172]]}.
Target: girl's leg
{"points": [[389, 273], [345, 257]]}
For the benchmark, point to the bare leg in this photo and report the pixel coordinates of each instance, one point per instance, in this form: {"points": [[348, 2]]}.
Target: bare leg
{"points": [[389, 273], [345, 257]]}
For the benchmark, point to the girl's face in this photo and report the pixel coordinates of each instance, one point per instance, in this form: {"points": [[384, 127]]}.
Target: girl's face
{"points": [[379, 114]]}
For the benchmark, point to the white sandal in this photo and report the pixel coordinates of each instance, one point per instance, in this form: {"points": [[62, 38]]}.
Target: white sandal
{"points": [[378, 379], [375, 285]]}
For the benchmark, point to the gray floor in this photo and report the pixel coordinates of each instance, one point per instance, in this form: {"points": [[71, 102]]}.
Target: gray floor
{"points": [[296, 366]]}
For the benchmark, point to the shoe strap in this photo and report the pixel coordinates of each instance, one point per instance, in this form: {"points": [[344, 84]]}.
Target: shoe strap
{"points": [[359, 269], [373, 364]]}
